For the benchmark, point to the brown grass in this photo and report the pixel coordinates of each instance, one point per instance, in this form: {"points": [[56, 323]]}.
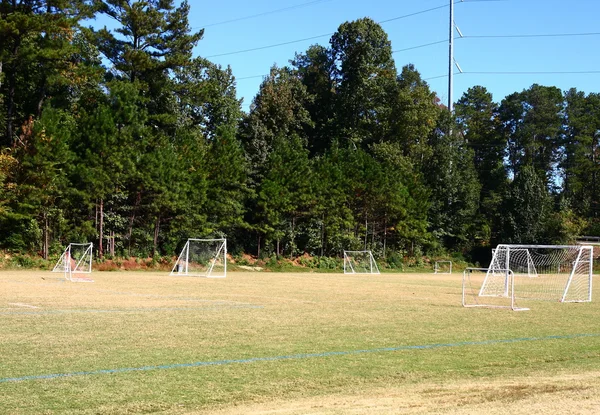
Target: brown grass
{"points": [[137, 319]]}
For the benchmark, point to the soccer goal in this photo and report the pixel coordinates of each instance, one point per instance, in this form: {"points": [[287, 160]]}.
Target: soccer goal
{"points": [[360, 262], [442, 267], [75, 261], [541, 272], [472, 282], [202, 258]]}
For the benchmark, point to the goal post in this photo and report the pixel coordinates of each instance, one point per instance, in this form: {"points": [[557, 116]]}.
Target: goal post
{"points": [[202, 258], [541, 272], [74, 261], [360, 262], [473, 281], [442, 267]]}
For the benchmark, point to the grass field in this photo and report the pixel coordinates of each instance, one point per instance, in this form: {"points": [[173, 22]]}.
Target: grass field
{"points": [[283, 343]]}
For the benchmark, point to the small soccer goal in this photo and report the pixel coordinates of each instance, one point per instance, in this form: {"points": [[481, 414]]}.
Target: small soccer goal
{"points": [[442, 267], [202, 258], [473, 281], [360, 262], [540, 272], [75, 261]]}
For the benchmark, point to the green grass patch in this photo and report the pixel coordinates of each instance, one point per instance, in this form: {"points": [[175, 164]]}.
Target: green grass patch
{"points": [[144, 320]]}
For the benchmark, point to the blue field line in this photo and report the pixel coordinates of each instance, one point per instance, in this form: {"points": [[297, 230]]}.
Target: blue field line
{"points": [[294, 357], [132, 310]]}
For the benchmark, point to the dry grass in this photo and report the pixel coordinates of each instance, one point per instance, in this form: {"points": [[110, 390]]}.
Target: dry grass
{"points": [[158, 323], [560, 393]]}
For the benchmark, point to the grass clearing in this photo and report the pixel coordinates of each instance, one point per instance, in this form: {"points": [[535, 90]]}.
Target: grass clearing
{"points": [[141, 342]]}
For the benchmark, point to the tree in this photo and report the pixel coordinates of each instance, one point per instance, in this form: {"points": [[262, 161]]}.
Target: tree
{"points": [[414, 115], [526, 209], [8, 167], [403, 201], [152, 41], [582, 154], [478, 122], [43, 179], [36, 57], [365, 80], [207, 97], [153, 37], [532, 123], [109, 145], [316, 69], [328, 231], [278, 111], [284, 194], [454, 187], [226, 188]]}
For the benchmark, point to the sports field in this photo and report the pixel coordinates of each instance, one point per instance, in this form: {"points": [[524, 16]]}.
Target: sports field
{"points": [[283, 343]]}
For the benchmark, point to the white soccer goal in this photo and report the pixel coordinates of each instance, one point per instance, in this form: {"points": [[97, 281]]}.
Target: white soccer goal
{"points": [[541, 272], [74, 261], [360, 262], [202, 258], [442, 267], [474, 279]]}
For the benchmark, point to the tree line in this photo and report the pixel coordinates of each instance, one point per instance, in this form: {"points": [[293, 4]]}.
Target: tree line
{"points": [[123, 138]]}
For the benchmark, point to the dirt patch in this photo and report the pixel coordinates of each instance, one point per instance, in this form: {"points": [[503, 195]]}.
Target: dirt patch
{"points": [[561, 393]]}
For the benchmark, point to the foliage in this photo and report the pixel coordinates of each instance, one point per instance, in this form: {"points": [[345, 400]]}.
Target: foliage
{"points": [[122, 137]]}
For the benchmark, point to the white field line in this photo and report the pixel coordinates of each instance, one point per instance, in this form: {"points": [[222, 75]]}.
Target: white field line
{"points": [[23, 305]]}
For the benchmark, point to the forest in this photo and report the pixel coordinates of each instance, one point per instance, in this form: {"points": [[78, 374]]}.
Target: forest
{"points": [[123, 138]]}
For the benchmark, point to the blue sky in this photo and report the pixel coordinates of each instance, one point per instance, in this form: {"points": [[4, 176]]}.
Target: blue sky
{"points": [[311, 18]]}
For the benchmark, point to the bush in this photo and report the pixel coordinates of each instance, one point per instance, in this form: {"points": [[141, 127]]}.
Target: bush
{"points": [[395, 260], [327, 263]]}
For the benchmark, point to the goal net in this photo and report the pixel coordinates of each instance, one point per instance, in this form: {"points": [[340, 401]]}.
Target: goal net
{"points": [[202, 258], [541, 272], [360, 262], [473, 281], [75, 261], [442, 267]]}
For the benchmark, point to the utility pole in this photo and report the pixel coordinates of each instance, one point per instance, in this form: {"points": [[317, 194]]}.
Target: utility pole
{"points": [[451, 58]]}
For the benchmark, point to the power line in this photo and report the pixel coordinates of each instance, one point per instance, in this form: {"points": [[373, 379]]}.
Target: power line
{"points": [[413, 14], [485, 73], [319, 36], [297, 6], [421, 46], [251, 77], [529, 72], [530, 35], [394, 51], [516, 73], [268, 46], [435, 77]]}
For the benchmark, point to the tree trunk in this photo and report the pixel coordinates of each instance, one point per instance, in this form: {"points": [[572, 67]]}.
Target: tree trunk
{"points": [[10, 108], [156, 230], [138, 199], [111, 244], [323, 235], [45, 247], [384, 237], [293, 238], [101, 230]]}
